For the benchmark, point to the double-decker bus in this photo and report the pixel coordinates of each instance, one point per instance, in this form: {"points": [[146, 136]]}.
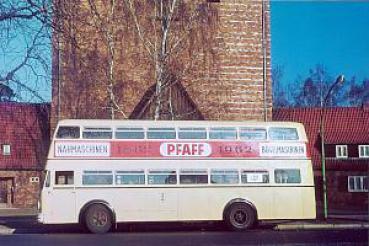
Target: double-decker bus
{"points": [[103, 172]]}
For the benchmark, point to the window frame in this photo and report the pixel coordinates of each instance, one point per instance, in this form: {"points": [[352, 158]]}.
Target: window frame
{"points": [[133, 172], [223, 173], [71, 126], [356, 188], [340, 148], [287, 171], [64, 185], [157, 130], [271, 134], [162, 172], [6, 149], [97, 173], [194, 130], [222, 129], [193, 173], [101, 129], [260, 172], [362, 154], [131, 130]]}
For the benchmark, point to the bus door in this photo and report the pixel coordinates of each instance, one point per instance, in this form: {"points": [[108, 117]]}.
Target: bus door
{"points": [[60, 198]]}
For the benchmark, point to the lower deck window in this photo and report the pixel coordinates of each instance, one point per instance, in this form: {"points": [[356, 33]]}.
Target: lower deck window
{"points": [[254, 177], [130, 177], [64, 178], [162, 177], [287, 176], [357, 183], [224, 177], [193, 177], [97, 178]]}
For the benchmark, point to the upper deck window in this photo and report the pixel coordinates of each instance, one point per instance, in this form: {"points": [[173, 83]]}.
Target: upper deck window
{"points": [[223, 133], [280, 133], [130, 133], [161, 133], [192, 133], [68, 132], [253, 133], [97, 133]]}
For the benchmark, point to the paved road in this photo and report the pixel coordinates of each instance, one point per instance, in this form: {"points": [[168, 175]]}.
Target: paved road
{"points": [[184, 238], [28, 232]]}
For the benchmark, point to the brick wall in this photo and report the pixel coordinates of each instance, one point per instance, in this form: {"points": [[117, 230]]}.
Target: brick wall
{"points": [[24, 192], [223, 61]]}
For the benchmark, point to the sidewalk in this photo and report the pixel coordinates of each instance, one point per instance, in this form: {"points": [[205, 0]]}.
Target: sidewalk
{"points": [[15, 212], [336, 220]]}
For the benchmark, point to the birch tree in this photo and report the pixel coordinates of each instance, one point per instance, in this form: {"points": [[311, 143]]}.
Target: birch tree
{"points": [[164, 28], [105, 17]]}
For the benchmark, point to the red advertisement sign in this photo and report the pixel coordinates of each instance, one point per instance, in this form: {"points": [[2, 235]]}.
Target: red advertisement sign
{"points": [[177, 149]]}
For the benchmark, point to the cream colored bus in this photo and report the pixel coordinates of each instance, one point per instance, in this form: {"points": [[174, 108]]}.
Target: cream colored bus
{"points": [[103, 172]]}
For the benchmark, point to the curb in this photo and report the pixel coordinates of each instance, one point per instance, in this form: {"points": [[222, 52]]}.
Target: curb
{"points": [[321, 226]]}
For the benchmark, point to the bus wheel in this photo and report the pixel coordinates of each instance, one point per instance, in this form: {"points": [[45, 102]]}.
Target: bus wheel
{"points": [[98, 219], [240, 217]]}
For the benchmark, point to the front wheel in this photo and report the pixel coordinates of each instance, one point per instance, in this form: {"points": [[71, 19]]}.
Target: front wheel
{"points": [[98, 219], [240, 217]]}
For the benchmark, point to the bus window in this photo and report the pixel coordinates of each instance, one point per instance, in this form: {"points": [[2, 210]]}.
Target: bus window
{"points": [[253, 134], [192, 133], [287, 176], [189, 176], [227, 176], [279, 133], [223, 133], [97, 178], [97, 133], [68, 132], [162, 177], [161, 133], [254, 177], [130, 177], [64, 178], [130, 133]]}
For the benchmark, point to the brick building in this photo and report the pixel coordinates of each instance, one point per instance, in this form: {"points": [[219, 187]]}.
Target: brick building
{"points": [[347, 153], [226, 62], [24, 142]]}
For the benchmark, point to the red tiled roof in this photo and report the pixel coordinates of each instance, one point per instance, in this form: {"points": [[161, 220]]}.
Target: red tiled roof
{"points": [[343, 125], [26, 128]]}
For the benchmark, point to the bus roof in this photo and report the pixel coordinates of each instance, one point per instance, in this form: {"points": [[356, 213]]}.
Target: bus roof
{"points": [[176, 123]]}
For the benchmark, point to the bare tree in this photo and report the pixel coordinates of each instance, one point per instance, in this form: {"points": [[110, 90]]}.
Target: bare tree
{"points": [[164, 28], [105, 18], [25, 47]]}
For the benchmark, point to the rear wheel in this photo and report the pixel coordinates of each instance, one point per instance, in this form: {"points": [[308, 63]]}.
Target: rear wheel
{"points": [[240, 217], [98, 219]]}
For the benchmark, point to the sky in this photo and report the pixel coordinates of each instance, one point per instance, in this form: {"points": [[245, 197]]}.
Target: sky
{"points": [[303, 34], [332, 33]]}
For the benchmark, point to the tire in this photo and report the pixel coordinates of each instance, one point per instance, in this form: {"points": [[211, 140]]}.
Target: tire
{"points": [[240, 217], [98, 219]]}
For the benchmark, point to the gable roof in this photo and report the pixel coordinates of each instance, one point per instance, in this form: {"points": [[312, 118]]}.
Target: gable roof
{"points": [[342, 125], [25, 127]]}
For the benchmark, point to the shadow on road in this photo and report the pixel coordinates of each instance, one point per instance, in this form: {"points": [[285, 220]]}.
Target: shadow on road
{"points": [[29, 225]]}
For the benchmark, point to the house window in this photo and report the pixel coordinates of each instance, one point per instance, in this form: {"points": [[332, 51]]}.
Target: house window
{"points": [[364, 151], [357, 183], [6, 149], [341, 151]]}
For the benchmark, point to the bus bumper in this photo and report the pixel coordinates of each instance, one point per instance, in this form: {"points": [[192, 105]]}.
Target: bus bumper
{"points": [[40, 218]]}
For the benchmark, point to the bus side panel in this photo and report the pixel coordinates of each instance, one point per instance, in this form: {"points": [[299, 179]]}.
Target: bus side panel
{"points": [[308, 202], [209, 203]]}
